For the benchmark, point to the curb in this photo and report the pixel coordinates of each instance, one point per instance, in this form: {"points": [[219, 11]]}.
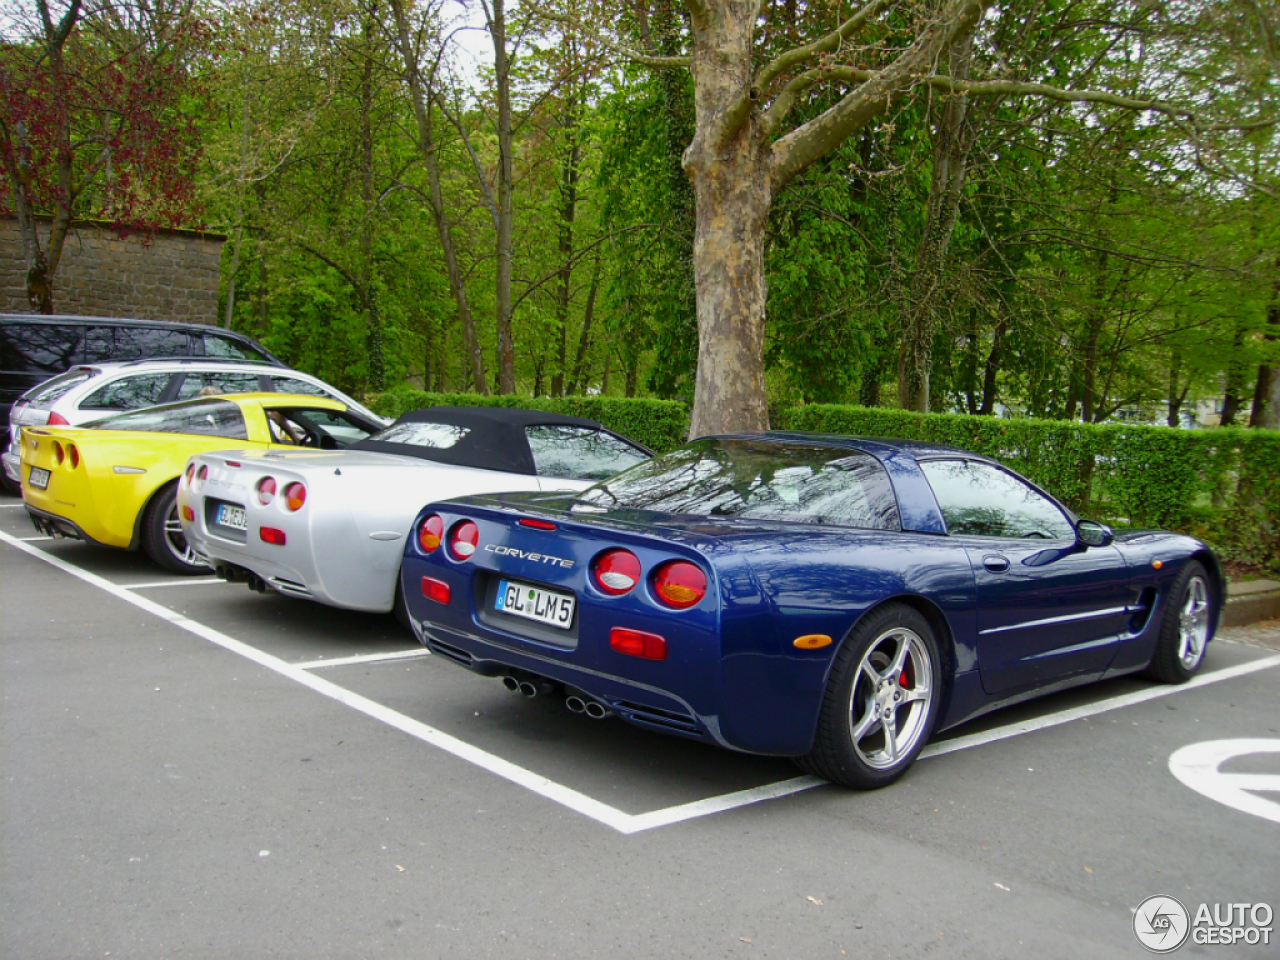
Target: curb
{"points": [[1251, 601]]}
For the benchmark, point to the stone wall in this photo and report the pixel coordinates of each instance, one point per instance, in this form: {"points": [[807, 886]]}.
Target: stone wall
{"points": [[174, 277]]}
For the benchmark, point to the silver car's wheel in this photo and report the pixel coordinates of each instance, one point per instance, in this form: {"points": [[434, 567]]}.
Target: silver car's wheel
{"points": [[162, 537], [1186, 626], [881, 700]]}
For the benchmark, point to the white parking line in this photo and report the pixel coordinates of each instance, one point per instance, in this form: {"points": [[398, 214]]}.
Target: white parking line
{"points": [[368, 658], [12, 506], [566, 796], [1093, 709], [170, 583], [33, 539]]}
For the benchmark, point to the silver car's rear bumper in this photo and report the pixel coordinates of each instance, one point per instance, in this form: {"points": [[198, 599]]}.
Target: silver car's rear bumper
{"points": [[12, 466]]}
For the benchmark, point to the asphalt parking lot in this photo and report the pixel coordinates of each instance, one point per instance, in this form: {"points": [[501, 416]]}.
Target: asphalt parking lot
{"points": [[194, 770]]}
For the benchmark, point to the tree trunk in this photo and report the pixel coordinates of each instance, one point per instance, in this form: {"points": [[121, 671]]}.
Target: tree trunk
{"points": [[578, 384], [427, 147], [1266, 395], [1235, 379], [42, 264], [950, 154], [568, 210], [506, 211], [733, 194], [989, 375], [238, 238], [1176, 396], [1095, 319], [376, 378]]}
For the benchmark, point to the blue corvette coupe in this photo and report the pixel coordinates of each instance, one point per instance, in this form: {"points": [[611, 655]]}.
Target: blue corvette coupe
{"points": [[831, 599]]}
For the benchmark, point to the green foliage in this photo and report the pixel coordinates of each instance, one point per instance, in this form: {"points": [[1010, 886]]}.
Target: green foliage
{"points": [[1221, 485], [660, 425]]}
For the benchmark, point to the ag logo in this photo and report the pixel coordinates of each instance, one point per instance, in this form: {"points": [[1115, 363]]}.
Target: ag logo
{"points": [[1161, 924]]}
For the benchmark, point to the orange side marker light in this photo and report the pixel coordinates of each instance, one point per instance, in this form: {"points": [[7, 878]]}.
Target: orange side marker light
{"points": [[812, 641]]}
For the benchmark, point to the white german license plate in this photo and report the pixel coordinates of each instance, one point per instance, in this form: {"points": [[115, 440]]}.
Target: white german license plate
{"points": [[39, 478], [231, 516], [534, 603]]}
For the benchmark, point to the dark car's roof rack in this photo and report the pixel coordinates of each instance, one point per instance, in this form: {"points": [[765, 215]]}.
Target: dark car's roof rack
{"points": [[132, 321], [185, 359]]}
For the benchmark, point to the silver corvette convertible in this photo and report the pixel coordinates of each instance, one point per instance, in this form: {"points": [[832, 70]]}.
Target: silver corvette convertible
{"points": [[330, 525]]}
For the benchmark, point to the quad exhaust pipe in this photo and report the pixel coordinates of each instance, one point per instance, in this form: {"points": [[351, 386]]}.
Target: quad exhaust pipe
{"points": [[532, 685], [592, 708], [232, 574], [528, 684]]}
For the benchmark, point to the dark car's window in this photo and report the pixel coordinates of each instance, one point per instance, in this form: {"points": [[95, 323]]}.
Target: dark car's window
{"points": [[99, 345], [231, 349], [436, 436], [758, 480], [294, 385], [128, 393], [51, 390], [214, 418], [136, 342], [579, 453], [978, 499], [204, 384], [39, 347]]}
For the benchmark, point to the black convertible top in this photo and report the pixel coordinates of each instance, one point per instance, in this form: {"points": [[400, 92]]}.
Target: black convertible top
{"points": [[495, 437]]}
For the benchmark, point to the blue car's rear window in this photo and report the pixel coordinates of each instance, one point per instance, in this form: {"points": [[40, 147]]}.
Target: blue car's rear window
{"points": [[758, 480]]}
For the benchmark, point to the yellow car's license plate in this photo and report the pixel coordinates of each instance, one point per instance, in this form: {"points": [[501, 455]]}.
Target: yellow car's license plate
{"points": [[39, 478]]}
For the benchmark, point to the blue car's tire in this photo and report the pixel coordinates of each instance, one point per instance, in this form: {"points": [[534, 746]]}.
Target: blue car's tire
{"points": [[401, 609], [1185, 628], [880, 703]]}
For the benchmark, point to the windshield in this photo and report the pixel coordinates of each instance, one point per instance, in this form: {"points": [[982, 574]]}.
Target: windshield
{"points": [[757, 480]]}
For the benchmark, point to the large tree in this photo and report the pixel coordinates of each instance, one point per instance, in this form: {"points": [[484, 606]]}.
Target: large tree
{"points": [[747, 147], [95, 120]]}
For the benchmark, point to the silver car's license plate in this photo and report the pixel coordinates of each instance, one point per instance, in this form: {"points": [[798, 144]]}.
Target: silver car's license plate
{"points": [[534, 603], [39, 478], [231, 516]]}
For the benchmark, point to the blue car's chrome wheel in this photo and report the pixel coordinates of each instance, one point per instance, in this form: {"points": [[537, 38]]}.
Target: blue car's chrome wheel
{"points": [[1193, 623], [1187, 625], [891, 694], [881, 700]]}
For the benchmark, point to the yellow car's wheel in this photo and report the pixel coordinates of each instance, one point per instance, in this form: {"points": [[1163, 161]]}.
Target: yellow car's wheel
{"points": [[162, 537]]}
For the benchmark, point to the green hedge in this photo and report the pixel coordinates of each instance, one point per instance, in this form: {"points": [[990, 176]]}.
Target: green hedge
{"points": [[660, 425], [1222, 485]]}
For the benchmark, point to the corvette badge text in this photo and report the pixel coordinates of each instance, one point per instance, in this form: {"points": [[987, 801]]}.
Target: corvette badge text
{"points": [[524, 555], [1162, 924]]}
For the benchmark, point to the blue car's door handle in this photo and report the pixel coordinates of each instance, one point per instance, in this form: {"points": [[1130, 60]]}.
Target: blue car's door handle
{"points": [[995, 563]]}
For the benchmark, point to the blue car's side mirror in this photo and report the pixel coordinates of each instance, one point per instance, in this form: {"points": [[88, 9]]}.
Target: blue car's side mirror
{"points": [[1090, 533]]}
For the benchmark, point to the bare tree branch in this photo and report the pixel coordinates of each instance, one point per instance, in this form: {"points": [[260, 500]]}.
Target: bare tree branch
{"points": [[873, 97], [828, 44]]}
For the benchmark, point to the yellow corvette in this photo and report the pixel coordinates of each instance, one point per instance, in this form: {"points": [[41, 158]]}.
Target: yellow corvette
{"points": [[115, 481]]}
